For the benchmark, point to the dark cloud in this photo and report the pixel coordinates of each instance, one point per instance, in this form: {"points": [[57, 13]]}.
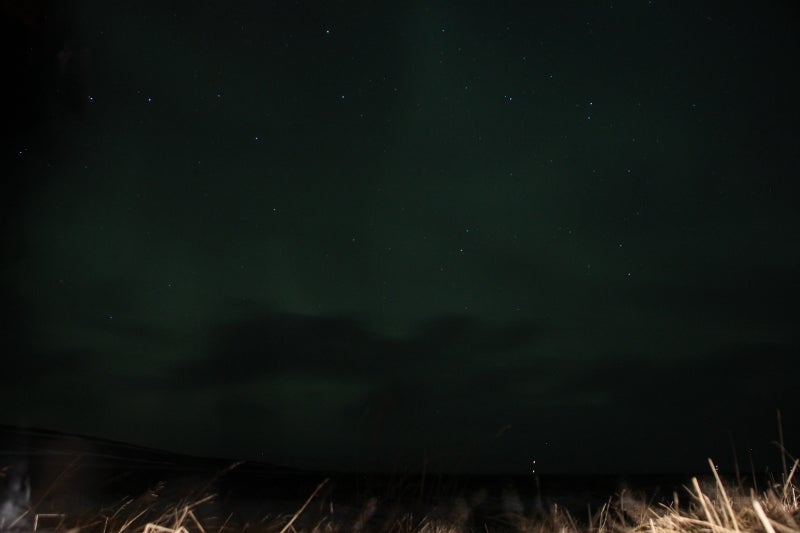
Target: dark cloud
{"points": [[406, 394], [689, 406], [682, 382], [468, 334], [254, 348], [736, 296], [35, 363], [285, 344], [137, 332]]}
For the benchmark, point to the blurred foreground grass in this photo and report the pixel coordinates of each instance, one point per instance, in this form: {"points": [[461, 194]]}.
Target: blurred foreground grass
{"points": [[710, 507]]}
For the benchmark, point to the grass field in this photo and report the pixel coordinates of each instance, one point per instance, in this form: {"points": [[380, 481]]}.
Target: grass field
{"points": [[701, 507]]}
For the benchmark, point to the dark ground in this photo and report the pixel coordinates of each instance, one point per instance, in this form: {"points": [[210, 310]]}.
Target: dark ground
{"points": [[82, 475]]}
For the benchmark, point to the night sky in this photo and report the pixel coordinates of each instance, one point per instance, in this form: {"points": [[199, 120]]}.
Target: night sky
{"points": [[377, 235]]}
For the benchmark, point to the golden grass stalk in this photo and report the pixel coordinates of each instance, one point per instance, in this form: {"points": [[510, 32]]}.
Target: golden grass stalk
{"points": [[303, 508]]}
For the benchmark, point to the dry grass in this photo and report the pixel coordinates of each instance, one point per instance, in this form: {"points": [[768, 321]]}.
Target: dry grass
{"points": [[713, 508]]}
